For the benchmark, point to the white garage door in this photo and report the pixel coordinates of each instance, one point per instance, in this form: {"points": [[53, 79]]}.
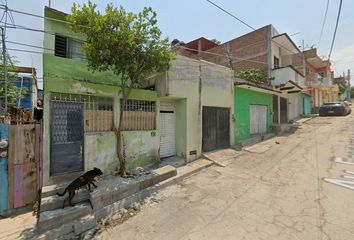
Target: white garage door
{"points": [[258, 119], [167, 130]]}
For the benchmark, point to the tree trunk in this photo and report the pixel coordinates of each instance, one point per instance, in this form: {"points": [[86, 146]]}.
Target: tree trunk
{"points": [[118, 132]]}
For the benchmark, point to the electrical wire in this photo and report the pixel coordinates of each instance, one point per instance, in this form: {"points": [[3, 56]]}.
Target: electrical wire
{"points": [[335, 30], [29, 45], [323, 23], [221, 55], [222, 9], [38, 16], [23, 50]]}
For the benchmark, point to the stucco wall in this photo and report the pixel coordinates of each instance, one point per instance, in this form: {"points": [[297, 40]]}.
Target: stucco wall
{"points": [[96, 153], [184, 87], [100, 151], [295, 106], [242, 100]]}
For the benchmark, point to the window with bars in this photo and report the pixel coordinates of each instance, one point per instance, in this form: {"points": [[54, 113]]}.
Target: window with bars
{"points": [[139, 115], [98, 111], [68, 48]]}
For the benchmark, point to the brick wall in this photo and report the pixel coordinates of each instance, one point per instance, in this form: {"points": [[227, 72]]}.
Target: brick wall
{"points": [[247, 51]]}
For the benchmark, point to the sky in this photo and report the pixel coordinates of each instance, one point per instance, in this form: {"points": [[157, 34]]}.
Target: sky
{"points": [[187, 20]]}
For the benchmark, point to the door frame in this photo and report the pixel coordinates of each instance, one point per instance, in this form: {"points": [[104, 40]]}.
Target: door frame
{"points": [[266, 118], [51, 140], [217, 127], [174, 113]]}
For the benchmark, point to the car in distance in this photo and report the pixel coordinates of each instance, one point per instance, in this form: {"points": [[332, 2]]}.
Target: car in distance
{"points": [[334, 109]]}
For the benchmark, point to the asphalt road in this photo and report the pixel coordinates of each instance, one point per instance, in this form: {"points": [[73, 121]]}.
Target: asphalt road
{"points": [[278, 192]]}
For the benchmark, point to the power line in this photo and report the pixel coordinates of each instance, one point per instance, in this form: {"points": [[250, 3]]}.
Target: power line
{"points": [[29, 29], [335, 31], [323, 23], [221, 55], [23, 50], [38, 16], [222, 9], [29, 45]]}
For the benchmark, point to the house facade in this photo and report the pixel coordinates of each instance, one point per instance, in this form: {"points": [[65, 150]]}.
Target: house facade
{"points": [[81, 109], [196, 108], [184, 112], [273, 53], [319, 80], [253, 109]]}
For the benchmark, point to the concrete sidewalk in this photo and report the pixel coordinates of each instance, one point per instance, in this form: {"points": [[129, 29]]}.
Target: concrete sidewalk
{"points": [[23, 226], [18, 227]]}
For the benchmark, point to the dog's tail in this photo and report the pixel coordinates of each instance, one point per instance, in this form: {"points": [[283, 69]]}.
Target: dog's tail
{"points": [[62, 194]]}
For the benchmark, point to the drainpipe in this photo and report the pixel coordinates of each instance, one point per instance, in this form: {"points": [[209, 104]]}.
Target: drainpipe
{"points": [[269, 37], [278, 109], [167, 93], [200, 98], [200, 79]]}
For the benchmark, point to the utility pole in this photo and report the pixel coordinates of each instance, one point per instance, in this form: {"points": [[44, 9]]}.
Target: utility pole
{"points": [[303, 59], [5, 67], [349, 93]]}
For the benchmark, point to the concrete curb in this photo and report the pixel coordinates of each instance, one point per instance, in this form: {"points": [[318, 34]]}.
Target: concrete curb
{"points": [[78, 227]]}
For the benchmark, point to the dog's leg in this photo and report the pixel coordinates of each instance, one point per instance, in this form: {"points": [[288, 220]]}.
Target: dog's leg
{"points": [[90, 203], [71, 195], [89, 187], [93, 184]]}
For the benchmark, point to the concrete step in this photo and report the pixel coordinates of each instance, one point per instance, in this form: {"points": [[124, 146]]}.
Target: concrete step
{"points": [[55, 218], [56, 202], [70, 230], [51, 190]]}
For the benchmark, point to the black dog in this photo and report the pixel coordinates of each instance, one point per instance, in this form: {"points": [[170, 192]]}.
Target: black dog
{"points": [[87, 179]]}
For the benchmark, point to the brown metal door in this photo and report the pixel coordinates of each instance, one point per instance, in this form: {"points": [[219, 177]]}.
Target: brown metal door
{"points": [[216, 128]]}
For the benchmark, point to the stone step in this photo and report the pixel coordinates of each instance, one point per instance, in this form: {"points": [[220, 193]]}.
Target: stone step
{"points": [[115, 189], [70, 230], [56, 202], [55, 218], [52, 190]]}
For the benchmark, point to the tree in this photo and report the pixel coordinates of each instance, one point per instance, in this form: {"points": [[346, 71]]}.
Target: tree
{"points": [[253, 75], [126, 43], [214, 40], [13, 93]]}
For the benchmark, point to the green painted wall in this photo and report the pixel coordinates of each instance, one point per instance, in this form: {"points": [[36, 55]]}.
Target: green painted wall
{"points": [[243, 98], [74, 70], [63, 75], [306, 100]]}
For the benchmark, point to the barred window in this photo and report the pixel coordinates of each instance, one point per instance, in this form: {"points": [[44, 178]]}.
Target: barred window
{"points": [[98, 111], [98, 114], [139, 115], [68, 48]]}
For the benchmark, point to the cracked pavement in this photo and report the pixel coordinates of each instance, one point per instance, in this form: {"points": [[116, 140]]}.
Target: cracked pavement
{"points": [[278, 194]]}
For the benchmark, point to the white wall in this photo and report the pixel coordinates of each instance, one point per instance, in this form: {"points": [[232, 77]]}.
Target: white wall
{"points": [[294, 106], [283, 75]]}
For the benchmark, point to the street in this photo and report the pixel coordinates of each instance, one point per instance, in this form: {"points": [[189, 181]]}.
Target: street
{"points": [[275, 193]]}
